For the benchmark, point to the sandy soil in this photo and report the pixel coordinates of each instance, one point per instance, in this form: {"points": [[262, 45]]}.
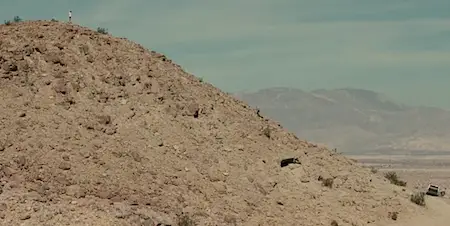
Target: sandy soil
{"points": [[418, 172], [436, 214]]}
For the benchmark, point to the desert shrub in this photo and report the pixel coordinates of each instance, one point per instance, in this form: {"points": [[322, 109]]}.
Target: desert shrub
{"points": [[393, 215], [418, 198], [102, 30], [54, 20], [393, 178], [373, 169], [185, 220], [17, 19], [7, 22], [328, 182], [267, 132]]}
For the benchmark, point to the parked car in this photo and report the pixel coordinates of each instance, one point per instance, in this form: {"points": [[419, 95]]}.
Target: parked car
{"points": [[434, 190]]}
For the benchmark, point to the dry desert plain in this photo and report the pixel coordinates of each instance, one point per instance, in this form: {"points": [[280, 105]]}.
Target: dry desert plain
{"points": [[418, 170]]}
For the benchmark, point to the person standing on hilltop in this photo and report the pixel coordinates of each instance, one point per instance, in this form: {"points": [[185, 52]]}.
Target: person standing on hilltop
{"points": [[70, 16]]}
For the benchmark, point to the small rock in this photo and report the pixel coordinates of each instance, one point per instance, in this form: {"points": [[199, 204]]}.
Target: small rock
{"points": [[25, 216], [21, 161], [148, 222], [3, 207], [136, 156], [110, 131], [104, 119], [116, 198], [34, 196], [65, 158], [60, 150], [75, 191], [122, 211], [192, 109], [104, 194], [8, 171], [64, 166], [22, 114], [304, 180]]}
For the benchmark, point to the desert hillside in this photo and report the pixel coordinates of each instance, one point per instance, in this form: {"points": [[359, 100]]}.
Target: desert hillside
{"points": [[97, 130], [355, 121]]}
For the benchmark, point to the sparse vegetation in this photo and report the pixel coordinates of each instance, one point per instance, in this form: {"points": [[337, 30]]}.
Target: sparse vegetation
{"points": [[17, 19], [185, 220], [54, 20], [393, 178], [418, 198], [267, 132], [393, 215], [328, 182], [102, 30], [373, 170]]}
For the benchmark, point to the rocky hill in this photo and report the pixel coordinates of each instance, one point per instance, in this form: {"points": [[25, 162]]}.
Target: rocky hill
{"points": [[355, 120], [97, 130]]}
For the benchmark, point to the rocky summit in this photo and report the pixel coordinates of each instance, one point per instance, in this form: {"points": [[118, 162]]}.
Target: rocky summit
{"points": [[98, 130]]}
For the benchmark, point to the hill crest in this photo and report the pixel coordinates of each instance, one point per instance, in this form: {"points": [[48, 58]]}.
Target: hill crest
{"points": [[98, 130]]}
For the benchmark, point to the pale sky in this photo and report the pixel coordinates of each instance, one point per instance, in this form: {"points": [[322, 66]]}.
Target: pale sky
{"points": [[398, 47]]}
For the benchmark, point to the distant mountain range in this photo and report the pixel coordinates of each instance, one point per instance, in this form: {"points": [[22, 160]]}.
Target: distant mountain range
{"points": [[355, 120]]}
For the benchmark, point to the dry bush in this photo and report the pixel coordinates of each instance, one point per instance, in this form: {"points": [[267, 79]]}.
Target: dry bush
{"points": [[102, 30], [393, 178], [373, 170], [267, 132], [185, 220], [328, 182], [393, 215], [17, 19], [418, 198]]}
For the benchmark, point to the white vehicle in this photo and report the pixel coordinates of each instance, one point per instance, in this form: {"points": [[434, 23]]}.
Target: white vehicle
{"points": [[434, 190]]}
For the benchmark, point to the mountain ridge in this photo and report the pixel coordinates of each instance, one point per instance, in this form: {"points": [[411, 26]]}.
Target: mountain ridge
{"points": [[378, 122]]}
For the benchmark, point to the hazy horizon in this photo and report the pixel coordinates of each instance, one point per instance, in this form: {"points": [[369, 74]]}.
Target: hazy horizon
{"points": [[399, 48]]}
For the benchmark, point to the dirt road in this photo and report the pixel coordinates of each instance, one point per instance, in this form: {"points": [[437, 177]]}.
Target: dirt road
{"points": [[436, 214]]}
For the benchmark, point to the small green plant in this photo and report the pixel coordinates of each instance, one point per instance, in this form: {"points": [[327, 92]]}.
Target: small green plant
{"points": [[17, 19], [185, 220], [418, 198], [393, 178], [102, 30], [7, 22]]}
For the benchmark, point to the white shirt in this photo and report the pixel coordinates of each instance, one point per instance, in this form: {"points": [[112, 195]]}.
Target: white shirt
{"points": [[70, 14]]}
